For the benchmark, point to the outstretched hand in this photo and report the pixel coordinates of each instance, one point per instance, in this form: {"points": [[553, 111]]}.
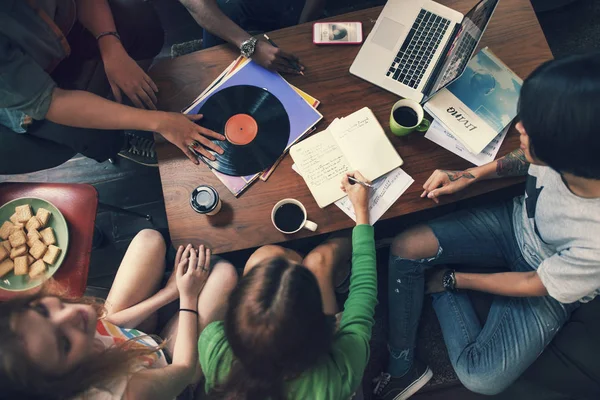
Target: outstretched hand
{"points": [[183, 132], [443, 182], [275, 59]]}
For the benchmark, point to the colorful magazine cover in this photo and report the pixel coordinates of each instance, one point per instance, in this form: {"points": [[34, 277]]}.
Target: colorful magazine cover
{"points": [[301, 114], [480, 104]]}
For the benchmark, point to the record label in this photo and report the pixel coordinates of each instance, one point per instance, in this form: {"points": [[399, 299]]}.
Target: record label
{"points": [[241, 129], [256, 127]]}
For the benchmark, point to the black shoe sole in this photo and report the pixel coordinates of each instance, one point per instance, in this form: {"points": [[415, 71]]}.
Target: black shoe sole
{"points": [[138, 161], [416, 385]]}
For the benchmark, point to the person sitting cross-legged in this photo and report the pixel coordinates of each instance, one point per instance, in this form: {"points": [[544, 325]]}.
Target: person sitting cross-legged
{"points": [[56, 348], [279, 339], [549, 239], [50, 100]]}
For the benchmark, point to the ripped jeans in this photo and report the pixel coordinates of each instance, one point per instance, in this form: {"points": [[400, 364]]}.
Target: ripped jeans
{"points": [[488, 358]]}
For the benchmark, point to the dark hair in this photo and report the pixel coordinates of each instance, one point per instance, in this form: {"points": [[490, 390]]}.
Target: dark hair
{"points": [[559, 108], [276, 328], [21, 378]]}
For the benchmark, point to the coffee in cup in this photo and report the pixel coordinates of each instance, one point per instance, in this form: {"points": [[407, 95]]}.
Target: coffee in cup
{"points": [[289, 216], [407, 116]]}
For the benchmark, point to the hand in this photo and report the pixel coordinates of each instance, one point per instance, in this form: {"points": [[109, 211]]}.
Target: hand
{"points": [[192, 272], [357, 193], [171, 287], [433, 282], [443, 182], [124, 74], [275, 59], [181, 130]]}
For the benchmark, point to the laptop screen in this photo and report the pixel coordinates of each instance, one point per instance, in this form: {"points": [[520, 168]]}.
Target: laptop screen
{"points": [[464, 44]]}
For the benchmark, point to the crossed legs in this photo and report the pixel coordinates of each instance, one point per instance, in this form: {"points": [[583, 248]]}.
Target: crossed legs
{"points": [[139, 277]]}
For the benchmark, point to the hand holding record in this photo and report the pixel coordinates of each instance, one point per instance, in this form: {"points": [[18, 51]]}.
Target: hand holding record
{"points": [[181, 130]]}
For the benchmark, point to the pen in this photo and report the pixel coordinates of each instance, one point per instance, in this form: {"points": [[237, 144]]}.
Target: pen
{"points": [[365, 184], [292, 63]]}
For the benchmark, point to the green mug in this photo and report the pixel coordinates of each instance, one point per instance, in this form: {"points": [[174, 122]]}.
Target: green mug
{"points": [[407, 116]]}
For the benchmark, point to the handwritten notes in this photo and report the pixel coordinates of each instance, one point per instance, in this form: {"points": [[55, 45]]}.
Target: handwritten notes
{"points": [[356, 142], [365, 144], [323, 165], [438, 133], [386, 190]]}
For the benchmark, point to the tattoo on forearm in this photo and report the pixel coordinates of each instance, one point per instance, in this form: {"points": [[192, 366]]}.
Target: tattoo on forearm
{"points": [[456, 175], [513, 164]]}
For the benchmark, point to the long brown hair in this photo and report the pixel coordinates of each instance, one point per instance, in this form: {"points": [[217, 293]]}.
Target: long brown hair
{"points": [[276, 328], [21, 378]]}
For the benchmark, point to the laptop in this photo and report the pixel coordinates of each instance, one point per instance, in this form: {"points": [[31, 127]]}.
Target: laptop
{"points": [[418, 47]]}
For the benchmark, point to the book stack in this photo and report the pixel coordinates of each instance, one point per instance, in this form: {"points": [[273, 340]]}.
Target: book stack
{"points": [[473, 114], [300, 107]]}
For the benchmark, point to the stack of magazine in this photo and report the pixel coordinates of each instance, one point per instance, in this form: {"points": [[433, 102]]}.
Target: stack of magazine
{"points": [[300, 107], [473, 114]]}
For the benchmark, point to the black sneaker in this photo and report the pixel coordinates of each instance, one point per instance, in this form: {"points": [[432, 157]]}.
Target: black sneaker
{"points": [[390, 388], [139, 149]]}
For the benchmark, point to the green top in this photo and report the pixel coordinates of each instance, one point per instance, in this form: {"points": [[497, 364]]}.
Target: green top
{"points": [[340, 372]]}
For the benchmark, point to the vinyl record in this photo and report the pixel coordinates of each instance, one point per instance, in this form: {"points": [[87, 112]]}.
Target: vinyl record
{"points": [[255, 124]]}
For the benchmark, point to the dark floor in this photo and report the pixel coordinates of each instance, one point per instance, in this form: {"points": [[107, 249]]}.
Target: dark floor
{"points": [[572, 29]]}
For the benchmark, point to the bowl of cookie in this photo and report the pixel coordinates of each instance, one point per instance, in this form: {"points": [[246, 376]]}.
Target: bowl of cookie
{"points": [[34, 238]]}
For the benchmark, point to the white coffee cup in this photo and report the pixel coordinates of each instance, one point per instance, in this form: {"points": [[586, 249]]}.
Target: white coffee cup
{"points": [[306, 224]]}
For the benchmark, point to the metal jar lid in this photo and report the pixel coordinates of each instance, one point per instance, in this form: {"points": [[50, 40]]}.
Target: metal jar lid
{"points": [[204, 199]]}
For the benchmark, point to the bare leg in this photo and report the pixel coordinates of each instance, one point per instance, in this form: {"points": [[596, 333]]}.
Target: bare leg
{"points": [[139, 275], [328, 262], [212, 304]]}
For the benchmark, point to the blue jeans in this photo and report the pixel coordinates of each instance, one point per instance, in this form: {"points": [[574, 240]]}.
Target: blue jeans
{"points": [[257, 15], [488, 358]]}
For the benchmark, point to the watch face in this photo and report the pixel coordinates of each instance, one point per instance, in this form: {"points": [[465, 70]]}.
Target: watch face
{"points": [[248, 48]]}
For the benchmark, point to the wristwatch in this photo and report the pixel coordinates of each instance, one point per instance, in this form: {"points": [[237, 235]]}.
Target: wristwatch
{"points": [[449, 281], [248, 46]]}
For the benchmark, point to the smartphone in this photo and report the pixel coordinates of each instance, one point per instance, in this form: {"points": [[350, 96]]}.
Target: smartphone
{"points": [[337, 33]]}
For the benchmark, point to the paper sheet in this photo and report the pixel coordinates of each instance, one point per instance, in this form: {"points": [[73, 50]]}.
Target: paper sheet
{"points": [[386, 190], [439, 134]]}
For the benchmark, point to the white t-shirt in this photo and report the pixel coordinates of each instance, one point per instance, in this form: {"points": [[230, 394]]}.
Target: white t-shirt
{"points": [[559, 235]]}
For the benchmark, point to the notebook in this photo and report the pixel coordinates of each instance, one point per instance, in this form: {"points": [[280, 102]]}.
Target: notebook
{"points": [[356, 142]]}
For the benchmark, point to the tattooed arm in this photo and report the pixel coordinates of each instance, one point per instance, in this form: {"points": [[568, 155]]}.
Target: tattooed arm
{"points": [[443, 182], [512, 164]]}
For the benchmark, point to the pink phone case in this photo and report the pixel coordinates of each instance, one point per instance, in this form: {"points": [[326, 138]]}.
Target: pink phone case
{"points": [[338, 43]]}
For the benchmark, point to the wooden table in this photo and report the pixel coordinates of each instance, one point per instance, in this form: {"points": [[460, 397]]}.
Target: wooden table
{"points": [[514, 35]]}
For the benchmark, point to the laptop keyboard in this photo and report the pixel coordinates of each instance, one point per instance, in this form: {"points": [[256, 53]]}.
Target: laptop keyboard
{"points": [[418, 49]]}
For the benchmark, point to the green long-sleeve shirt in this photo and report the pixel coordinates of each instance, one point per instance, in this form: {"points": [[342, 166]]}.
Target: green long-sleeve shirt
{"points": [[339, 374]]}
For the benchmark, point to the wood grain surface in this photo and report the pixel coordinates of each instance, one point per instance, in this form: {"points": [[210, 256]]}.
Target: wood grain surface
{"points": [[514, 35]]}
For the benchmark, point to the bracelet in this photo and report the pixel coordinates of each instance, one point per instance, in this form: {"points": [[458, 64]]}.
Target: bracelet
{"points": [[190, 310], [111, 33]]}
